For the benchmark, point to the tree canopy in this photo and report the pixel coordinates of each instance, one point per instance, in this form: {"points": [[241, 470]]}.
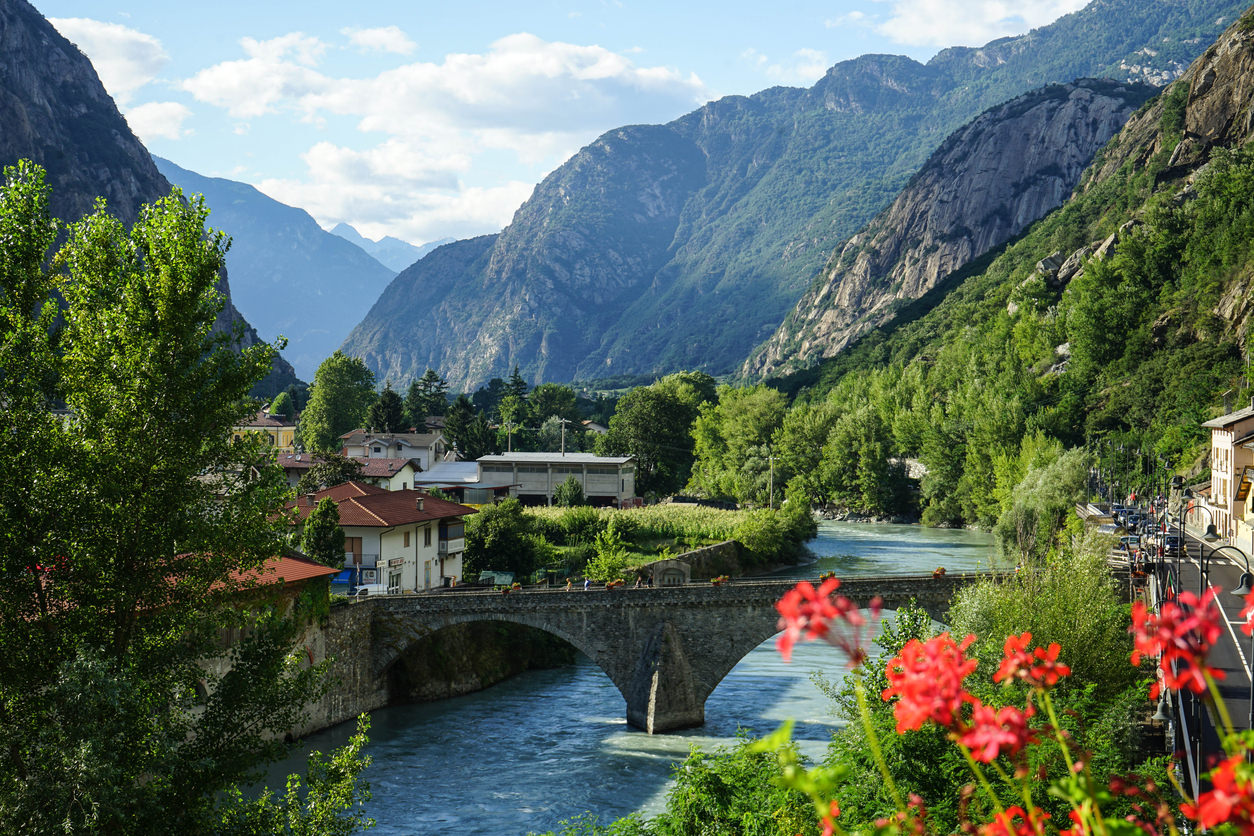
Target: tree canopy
{"points": [[343, 389]]}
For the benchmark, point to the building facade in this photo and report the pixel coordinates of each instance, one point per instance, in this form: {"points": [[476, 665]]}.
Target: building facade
{"points": [[533, 477], [1231, 439]]}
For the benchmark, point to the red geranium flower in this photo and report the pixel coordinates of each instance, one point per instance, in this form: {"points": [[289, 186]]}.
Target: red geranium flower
{"points": [[807, 613], [1039, 668], [1181, 635], [997, 731], [1014, 821], [926, 678], [1230, 801]]}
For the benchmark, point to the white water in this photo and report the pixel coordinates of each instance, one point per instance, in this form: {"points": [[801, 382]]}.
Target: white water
{"points": [[548, 745]]}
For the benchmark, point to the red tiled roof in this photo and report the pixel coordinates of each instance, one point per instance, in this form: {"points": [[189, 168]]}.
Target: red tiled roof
{"points": [[296, 461], [264, 419], [288, 568], [384, 467], [365, 505]]}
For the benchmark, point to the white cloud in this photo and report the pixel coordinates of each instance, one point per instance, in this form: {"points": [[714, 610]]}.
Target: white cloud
{"points": [[158, 120], [125, 59], [853, 18], [275, 72], [803, 68], [382, 39], [393, 189], [968, 22]]}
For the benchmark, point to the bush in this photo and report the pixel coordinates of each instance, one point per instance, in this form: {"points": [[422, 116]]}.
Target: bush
{"points": [[569, 493]]}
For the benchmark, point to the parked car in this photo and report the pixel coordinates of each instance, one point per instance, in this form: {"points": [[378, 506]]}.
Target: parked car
{"points": [[1130, 543], [1171, 545]]}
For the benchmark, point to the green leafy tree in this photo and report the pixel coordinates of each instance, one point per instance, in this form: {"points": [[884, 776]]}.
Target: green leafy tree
{"points": [[323, 539], [548, 400], [499, 537], [282, 405], [654, 424], [734, 432], [569, 493], [387, 413], [487, 398], [415, 408], [343, 390], [479, 439], [113, 596], [327, 473]]}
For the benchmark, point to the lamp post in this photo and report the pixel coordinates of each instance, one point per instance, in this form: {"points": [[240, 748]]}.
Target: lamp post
{"points": [[1244, 587]]}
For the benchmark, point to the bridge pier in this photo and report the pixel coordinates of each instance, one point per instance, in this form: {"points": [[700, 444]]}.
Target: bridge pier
{"points": [[662, 695]]}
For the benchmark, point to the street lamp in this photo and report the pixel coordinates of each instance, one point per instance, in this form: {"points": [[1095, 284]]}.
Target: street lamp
{"points": [[1244, 587]]}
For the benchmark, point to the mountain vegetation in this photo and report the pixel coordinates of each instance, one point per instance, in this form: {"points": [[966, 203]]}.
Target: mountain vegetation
{"points": [[288, 276], [695, 238], [56, 113]]}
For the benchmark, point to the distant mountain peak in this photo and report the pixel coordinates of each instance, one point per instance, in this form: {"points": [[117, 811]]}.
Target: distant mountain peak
{"points": [[393, 252]]}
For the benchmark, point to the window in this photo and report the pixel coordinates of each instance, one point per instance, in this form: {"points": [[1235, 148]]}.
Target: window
{"points": [[426, 535], [406, 538], [376, 449]]}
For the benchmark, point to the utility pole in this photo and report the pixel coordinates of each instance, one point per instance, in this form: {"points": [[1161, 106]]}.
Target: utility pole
{"points": [[509, 436], [563, 422], [771, 459]]}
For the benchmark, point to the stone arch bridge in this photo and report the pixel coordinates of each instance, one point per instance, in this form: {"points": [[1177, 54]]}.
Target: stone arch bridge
{"points": [[666, 649]]}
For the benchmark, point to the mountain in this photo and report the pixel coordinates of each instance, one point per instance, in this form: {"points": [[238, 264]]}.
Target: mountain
{"points": [[1118, 323], [986, 183], [392, 252], [685, 245], [290, 276], [55, 112]]}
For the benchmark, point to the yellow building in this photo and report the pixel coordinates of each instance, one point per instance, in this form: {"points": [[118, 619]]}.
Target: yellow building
{"points": [[280, 430]]}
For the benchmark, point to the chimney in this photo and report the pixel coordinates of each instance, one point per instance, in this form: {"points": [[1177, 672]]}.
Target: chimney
{"points": [[420, 502]]}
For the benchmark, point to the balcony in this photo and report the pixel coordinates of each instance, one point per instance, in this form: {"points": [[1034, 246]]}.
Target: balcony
{"points": [[453, 546]]}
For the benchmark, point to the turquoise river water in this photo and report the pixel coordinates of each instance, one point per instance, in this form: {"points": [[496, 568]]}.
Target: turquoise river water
{"points": [[549, 745]]}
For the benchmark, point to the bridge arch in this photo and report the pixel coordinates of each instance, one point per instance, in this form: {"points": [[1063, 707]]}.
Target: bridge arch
{"points": [[665, 649]]}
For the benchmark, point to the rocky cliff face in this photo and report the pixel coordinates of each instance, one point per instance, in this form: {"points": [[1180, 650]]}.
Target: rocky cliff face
{"points": [[55, 112], [685, 245], [985, 184]]}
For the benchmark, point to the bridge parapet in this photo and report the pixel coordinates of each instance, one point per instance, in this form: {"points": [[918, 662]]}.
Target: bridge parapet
{"points": [[665, 648]]}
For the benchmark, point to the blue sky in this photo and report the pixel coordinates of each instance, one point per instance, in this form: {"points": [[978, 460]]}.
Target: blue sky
{"points": [[428, 120]]}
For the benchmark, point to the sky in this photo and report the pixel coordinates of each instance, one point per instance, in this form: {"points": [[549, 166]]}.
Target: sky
{"points": [[426, 120]]}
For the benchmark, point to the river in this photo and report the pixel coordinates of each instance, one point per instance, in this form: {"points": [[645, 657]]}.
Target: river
{"points": [[548, 745]]}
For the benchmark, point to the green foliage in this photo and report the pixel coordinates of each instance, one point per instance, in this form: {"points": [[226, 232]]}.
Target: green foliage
{"points": [[331, 803], [119, 562], [343, 390], [426, 396], [499, 537], [733, 790], [654, 424], [732, 444], [327, 472], [610, 558], [1040, 504], [387, 413], [322, 538], [569, 493], [283, 405]]}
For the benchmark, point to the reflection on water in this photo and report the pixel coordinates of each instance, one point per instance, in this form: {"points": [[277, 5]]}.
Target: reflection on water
{"points": [[548, 745]]}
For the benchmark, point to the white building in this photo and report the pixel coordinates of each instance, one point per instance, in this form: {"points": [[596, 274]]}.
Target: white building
{"points": [[606, 480]]}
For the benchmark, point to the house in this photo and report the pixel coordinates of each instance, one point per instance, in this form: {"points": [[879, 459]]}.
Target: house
{"points": [[389, 474], [606, 480], [295, 465], [278, 429], [1231, 453], [426, 448], [405, 539], [465, 482]]}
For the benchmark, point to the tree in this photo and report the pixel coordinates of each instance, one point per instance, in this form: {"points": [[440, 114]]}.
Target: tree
{"points": [[457, 422], [434, 390], [569, 493], [415, 408], [343, 390], [500, 537], [516, 386], [732, 433], [487, 398], [479, 439], [323, 539], [282, 405], [549, 400], [113, 596], [387, 413], [329, 472], [654, 424]]}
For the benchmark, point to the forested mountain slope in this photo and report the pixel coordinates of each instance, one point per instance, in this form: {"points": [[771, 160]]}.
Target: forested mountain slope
{"points": [[986, 183], [55, 112], [684, 245], [1119, 322]]}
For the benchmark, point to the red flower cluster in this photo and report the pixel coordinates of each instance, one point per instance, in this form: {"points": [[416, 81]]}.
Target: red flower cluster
{"points": [[1015, 821], [1231, 799], [1039, 668], [998, 731], [1182, 634], [807, 613], [926, 678]]}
